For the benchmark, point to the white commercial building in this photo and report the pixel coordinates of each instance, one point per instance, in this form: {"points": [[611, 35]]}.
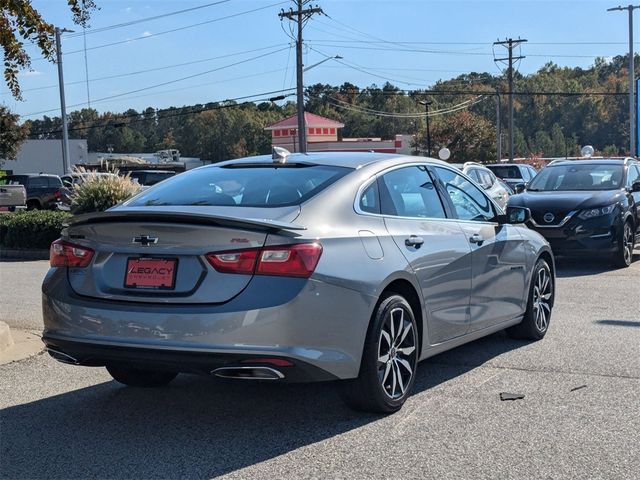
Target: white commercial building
{"points": [[45, 156]]}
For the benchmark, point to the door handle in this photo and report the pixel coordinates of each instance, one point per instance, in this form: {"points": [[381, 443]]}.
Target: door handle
{"points": [[414, 241], [476, 238]]}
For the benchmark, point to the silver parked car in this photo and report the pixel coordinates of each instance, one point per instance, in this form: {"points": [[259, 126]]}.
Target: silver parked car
{"points": [[329, 266], [484, 177]]}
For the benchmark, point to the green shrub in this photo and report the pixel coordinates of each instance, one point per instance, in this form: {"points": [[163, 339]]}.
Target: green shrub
{"points": [[97, 194], [34, 229]]}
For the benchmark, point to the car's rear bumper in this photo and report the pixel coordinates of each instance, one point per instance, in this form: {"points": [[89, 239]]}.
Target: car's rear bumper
{"points": [[92, 354], [309, 322]]}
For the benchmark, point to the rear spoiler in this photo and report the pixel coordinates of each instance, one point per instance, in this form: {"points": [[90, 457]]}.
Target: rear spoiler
{"points": [[183, 217]]}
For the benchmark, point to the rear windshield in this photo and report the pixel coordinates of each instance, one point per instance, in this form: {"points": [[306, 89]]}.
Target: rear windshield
{"points": [[505, 171], [243, 185], [578, 177]]}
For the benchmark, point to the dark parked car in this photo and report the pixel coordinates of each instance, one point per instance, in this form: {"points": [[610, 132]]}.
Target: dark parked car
{"points": [[44, 191], [586, 207], [513, 173], [146, 178]]}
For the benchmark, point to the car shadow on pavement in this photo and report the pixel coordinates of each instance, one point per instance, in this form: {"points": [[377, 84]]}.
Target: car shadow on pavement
{"points": [[579, 267], [195, 427]]}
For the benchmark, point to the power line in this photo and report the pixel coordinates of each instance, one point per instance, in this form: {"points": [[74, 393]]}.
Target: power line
{"points": [[152, 35], [161, 114], [147, 19], [167, 82], [155, 69]]}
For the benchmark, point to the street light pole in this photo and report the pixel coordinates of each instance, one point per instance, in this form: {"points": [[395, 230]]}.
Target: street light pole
{"points": [[426, 109], [66, 161], [632, 116]]}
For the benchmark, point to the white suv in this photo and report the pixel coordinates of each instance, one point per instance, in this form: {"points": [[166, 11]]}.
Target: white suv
{"points": [[486, 179]]}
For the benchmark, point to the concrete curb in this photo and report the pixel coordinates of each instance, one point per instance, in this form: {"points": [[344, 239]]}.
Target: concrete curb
{"points": [[25, 344], [16, 254], [6, 340]]}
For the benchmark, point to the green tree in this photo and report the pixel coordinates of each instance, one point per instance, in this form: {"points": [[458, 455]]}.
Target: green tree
{"points": [[20, 22], [12, 134]]}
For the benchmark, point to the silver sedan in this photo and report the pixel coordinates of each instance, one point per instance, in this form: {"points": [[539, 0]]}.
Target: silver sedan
{"points": [[332, 266]]}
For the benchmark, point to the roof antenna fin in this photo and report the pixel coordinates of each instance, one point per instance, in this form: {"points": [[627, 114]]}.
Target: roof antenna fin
{"points": [[280, 155]]}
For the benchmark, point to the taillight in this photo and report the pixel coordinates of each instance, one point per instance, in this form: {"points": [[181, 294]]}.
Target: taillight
{"points": [[66, 254], [57, 194], [237, 261], [297, 260]]}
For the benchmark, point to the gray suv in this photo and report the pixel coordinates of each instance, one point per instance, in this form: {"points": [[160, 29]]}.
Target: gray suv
{"points": [[331, 266]]}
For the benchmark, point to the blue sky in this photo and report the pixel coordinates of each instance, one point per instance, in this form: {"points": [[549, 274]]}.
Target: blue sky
{"points": [[439, 40]]}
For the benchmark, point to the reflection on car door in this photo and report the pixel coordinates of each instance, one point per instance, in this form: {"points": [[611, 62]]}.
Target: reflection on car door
{"points": [[498, 254], [434, 246]]}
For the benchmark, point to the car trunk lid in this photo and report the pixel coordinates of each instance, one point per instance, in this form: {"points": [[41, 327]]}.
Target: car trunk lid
{"points": [[157, 255]]}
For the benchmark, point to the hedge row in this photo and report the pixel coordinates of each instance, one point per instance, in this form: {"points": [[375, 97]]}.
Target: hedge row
{"points": [[34, 229]]}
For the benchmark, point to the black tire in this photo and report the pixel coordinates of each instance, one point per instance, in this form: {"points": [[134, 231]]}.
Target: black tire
{"points": [[537, 317], [626, 243], [33, 205], [135, 377], [383, 386]]}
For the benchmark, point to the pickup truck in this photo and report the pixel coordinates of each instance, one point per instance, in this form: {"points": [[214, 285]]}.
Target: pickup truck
{"points": [[12, 196], [44, 191]]}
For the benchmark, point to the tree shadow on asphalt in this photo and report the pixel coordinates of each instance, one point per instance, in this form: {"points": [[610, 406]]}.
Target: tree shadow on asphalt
{"points": [[196, 427]]}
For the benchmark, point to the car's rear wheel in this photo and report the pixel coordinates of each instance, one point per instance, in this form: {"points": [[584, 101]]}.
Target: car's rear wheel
{"points": [[624, 256], [135, 377], [33, 205], [537, 316], [389, 360]]}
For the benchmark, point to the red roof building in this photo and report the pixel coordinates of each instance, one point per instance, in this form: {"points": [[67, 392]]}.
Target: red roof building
{"points": [[322, 136]]}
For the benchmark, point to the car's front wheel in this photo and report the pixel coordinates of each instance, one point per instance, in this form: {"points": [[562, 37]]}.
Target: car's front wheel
{"points": [[623, 257], [389, 360], [537, 316], [135, 377]]}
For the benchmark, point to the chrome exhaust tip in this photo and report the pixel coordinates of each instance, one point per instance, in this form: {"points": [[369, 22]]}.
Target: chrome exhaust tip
{"points": [[62, 357], [248, 373]]}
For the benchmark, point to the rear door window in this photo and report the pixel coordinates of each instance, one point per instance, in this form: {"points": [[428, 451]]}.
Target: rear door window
{"points": [[54, 182], [370, 199], [410, 192], [245, 185]]}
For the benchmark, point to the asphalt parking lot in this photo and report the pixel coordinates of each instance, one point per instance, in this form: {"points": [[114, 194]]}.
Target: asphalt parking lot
{"points": [[580, 416]]}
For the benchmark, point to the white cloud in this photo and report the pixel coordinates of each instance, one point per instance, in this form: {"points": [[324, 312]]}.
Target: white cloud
{"points": [[127, 10], [146, 34]]}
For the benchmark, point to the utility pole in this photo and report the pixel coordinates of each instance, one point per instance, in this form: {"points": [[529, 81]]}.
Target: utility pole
{"points": [[300, 16], [66, 161], [426, 109], [510, 43], [632, 115], [498, 127]]}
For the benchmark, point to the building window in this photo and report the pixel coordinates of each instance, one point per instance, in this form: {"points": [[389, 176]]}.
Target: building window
{"points": [[311, 131], [276, 133], [292, 131], [333, 131], [325, 131]]}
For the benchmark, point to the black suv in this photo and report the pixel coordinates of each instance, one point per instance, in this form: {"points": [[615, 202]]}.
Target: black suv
{"points": [[44, 191], [586, 207]]}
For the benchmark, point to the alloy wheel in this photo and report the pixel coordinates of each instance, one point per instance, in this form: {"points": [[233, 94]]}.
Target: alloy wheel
{"points": [[542, 295], [396, 353], [627, 244]]}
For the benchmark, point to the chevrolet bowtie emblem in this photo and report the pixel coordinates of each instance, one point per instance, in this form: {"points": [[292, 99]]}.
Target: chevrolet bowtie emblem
{"points": [[145, 240]]}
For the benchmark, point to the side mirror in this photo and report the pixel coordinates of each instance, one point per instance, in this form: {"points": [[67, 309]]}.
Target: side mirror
{"points": [[520, 187], [635, 187], [517, 215]]}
